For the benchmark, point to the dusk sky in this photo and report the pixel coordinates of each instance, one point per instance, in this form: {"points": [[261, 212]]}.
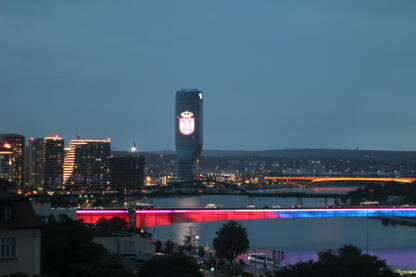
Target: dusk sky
{"points": [[276, 73]]}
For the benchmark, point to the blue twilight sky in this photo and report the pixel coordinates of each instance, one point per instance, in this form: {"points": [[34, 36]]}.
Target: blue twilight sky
{"points": [[276, 73]]}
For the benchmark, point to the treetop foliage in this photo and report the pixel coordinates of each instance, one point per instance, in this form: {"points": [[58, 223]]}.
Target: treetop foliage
{"points": [[231, 241]]}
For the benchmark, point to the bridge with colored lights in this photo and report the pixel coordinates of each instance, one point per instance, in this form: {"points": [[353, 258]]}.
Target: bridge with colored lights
{"points": [[331, 179], [170, 216]]}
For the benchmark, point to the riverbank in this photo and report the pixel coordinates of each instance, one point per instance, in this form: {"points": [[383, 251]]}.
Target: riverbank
{"points": [[399, 220]]}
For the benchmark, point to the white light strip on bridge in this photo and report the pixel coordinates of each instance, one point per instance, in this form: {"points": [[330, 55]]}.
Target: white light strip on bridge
{"points": [[282, 210], [100, 212], [247, 210]]}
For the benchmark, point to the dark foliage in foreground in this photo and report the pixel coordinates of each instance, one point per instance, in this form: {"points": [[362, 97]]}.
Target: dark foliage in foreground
{"points": [[68, 251], [174, 265], [231, 241], [347, 261]]}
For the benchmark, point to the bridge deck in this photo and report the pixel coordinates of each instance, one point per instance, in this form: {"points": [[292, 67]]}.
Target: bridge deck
{"points": [[330, 178], [175, 215]]}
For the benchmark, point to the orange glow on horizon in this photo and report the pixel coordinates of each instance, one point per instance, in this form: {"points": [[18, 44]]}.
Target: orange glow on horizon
{"points": [[327, 179]]}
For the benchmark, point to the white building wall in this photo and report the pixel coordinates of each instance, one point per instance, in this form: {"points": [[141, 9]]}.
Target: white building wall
{"points": [[27, 252], [133, 245]]}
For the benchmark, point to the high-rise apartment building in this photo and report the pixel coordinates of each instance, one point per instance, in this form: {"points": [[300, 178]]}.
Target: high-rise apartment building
{"points": [[188, 132], [6, 169], [127, 172], [36, 161], [17, 143], [87, 165], [46, 162]]}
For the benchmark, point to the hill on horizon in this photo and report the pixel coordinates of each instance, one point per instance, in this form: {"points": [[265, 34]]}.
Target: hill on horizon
{"points": [[382, 155]]}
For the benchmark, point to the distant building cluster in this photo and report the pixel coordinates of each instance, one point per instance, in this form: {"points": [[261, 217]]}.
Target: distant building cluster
{"points": [[86, 164]]}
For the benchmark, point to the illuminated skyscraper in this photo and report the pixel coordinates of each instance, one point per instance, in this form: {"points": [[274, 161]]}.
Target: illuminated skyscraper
{"points": [[46, 161], [87, 165], [189, 132], [17, 143]]}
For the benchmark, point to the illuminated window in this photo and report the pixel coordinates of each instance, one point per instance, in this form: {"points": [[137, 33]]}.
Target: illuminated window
{"points": [[7, 248]]}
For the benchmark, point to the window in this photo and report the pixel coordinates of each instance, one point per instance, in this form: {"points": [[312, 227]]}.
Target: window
{"points": [[6, 213], [7, 248]]}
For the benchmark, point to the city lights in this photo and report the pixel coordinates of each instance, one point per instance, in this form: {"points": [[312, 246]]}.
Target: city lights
{"points": [[7, 145]]}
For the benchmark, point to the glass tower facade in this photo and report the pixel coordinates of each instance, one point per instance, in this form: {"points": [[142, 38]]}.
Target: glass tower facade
{"points": [[46, 161], [127, 172], [188, 132]]}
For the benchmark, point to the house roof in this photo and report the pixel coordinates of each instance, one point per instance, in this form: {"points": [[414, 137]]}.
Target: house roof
{"points": [[23, 216]]}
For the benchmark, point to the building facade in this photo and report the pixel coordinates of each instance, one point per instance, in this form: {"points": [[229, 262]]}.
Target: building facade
{"points": [[87, 164], [188, 132], [17, 143], [20, 235], [46, 162], [127, 245], [35, 159], [127, 172], [6, 168]]}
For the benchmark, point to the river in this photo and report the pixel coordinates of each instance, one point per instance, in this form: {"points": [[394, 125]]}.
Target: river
{"points": [[300, 239]]}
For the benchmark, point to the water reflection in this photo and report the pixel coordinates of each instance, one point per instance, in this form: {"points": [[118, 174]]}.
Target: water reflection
{"points": [[300, 238]]}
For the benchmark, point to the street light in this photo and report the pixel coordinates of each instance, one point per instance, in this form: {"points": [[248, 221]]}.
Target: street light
{"points": [[197, 244], [133, 148]]}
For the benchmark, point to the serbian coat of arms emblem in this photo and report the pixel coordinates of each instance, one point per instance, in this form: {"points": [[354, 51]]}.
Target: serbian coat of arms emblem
{"points": [[187, 123]]}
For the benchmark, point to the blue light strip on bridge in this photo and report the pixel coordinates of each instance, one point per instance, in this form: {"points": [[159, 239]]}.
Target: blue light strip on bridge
{"points": [[347, 213]]}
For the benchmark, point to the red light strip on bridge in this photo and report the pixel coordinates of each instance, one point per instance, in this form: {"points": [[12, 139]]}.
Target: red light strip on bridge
{"points": [[245, 210], [278, 210]]}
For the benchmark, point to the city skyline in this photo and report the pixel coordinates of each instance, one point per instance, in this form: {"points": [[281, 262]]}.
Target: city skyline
{"points": [[207, 138], [319, 74]]}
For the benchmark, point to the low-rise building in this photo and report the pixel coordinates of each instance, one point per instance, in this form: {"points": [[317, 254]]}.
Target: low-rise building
{"points": [[127, 245], [20, 235]]}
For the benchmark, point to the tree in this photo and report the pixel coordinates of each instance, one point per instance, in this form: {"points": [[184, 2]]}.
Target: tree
{"points": [[169, 246], [158, 246], [112, 225], [231, 241], [68, 251], [345, 262], [170, 266]]}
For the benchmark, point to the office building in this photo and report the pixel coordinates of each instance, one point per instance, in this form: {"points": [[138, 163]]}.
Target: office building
{"points": [[46, 162], [127, 172], [87, 164], [188, 132], [17, 143]]}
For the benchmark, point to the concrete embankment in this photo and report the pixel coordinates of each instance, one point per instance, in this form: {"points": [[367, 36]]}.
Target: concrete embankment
{"points": [[399, 220]]}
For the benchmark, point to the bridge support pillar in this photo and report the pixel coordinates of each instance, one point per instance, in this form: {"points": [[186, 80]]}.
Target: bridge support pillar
{"points": [[250, 200], [300, 201], [132, 218]]}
